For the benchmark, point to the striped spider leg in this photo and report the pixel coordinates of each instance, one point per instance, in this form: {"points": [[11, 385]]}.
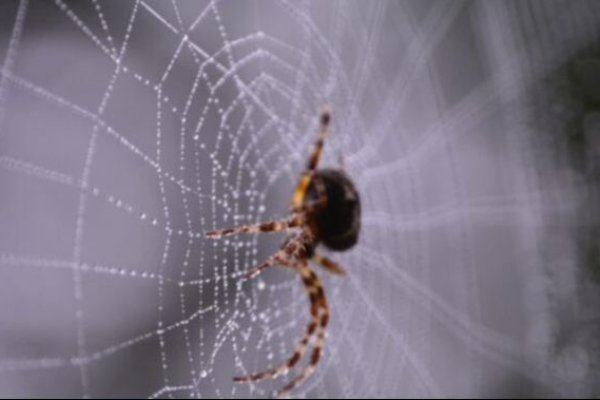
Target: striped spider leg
{"points": [[319, 311], [325, 209]]}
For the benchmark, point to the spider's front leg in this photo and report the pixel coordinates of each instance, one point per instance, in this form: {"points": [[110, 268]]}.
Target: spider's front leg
{"points": [[273, 226], [324, 121], [313, 161], [329, 265]]}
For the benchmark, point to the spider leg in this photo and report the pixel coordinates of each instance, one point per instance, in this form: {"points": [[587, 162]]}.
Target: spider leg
{"points": [[278, 258], [285, 367], [313, 161], [329, 265], [288, 251], [325, 120], [308, 369], [318, 301], [318, 322], [272, 226]]}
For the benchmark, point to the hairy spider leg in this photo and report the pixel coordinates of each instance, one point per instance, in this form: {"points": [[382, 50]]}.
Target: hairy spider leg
{"points": [[272, 226], [291, 248], [278, 259], [285, 367], [313, 162], [318, 301], [329, 264], [319, 319]]}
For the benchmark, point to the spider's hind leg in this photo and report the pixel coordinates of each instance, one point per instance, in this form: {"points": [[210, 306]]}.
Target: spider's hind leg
{"points": [[273, 226], [318, 302], [286, 366], [329, 265], [319, 311]]}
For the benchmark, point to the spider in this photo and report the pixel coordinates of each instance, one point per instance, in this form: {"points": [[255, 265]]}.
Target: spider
{"points": [[325, 209]]}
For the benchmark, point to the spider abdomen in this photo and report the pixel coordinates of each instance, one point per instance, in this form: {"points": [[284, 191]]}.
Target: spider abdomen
{"points": [[338, 223]]}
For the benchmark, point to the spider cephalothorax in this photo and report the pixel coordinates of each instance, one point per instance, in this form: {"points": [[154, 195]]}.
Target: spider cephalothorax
{"points": [[325, 209]]}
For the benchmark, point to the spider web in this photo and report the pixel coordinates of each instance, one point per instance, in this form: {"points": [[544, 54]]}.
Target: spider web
{"points": [[128, 130]]}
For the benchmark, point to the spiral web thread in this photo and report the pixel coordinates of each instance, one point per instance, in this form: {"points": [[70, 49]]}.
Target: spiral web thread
{"points": [[182, 117]]}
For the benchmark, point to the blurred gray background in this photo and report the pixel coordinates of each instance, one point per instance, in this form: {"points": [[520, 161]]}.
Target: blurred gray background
{"points": [[128, 129]]}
